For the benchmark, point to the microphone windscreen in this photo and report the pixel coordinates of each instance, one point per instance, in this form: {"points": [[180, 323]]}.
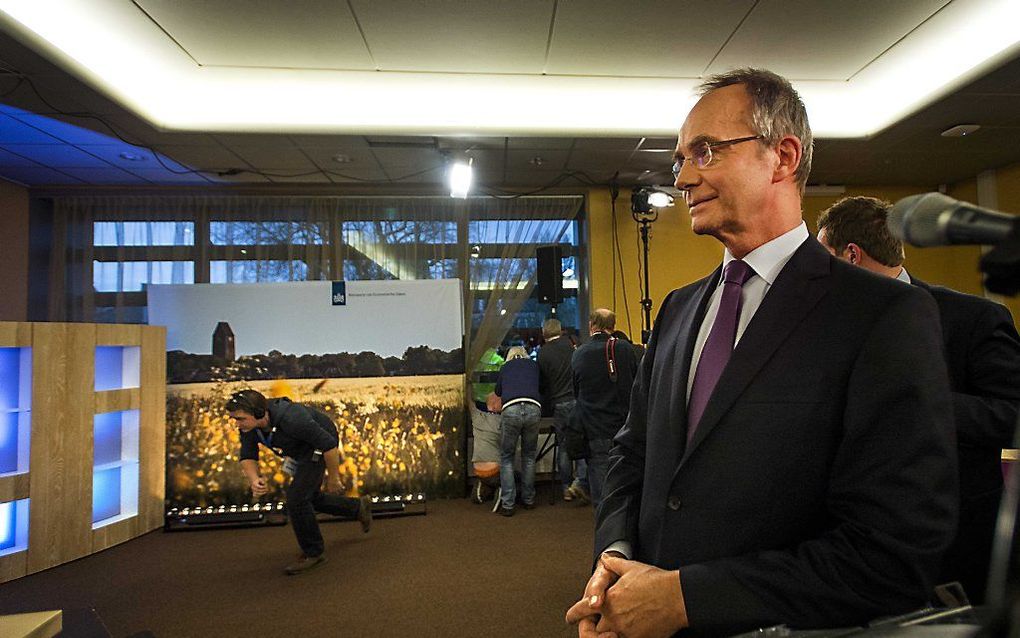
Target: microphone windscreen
{"points": [[915, 219]]}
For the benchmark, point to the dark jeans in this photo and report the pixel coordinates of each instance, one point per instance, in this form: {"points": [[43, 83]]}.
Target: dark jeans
{"points": [[598, 466], [305, 497], [567, 471]]}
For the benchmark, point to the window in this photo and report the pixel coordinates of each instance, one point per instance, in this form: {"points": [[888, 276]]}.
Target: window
{"points": [[516, 231], [128, 276], [250, 271], [143, 233], [261, 233]]}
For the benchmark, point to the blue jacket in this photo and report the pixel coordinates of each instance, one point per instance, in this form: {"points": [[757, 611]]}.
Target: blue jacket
{"points": [[518, 381]]}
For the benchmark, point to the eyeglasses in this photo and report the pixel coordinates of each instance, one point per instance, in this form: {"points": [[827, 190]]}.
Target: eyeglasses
{"points": [[701, 153]]}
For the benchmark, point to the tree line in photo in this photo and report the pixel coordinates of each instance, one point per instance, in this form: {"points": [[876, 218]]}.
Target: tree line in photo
{"points": [[184, 367]]}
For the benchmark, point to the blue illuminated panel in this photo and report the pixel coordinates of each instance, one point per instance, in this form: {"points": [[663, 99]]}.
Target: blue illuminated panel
{"points": [[13, 527], [105, 494], [117, 367], [107, 439], [8, 442], [114, 467], [15, 408]]}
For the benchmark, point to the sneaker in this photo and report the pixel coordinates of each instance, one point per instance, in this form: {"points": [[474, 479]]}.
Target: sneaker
{"points": [[580, 494], [528, 506], [568, 494], [506, 511], [304, 564], [365, 514]]}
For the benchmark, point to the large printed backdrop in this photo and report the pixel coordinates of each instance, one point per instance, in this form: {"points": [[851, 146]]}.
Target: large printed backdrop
{"points": [[401, 429]]}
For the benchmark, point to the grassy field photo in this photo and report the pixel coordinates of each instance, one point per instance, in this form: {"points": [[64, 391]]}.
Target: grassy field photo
{"points": [[398, 435]]}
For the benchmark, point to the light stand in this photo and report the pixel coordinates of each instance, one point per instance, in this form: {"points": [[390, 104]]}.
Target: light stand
{"points": [[644, 210]]}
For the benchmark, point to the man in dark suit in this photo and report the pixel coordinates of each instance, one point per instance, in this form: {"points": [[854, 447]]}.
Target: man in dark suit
{"points": [[805, 475], [982, 349]]}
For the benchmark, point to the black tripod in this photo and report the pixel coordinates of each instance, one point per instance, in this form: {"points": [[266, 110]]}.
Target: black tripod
{"points": [[645, 215]]}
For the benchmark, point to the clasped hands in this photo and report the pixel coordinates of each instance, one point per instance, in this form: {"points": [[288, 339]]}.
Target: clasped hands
{"points": [[628, 599]]}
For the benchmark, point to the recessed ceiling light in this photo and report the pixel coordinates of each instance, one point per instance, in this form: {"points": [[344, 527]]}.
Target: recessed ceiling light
{"points": [[341, 158], [132, 157], [960, 130]]}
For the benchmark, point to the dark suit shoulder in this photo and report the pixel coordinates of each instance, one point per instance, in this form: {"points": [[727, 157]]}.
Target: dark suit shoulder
{"points": [[963, 304], [873, 291]]}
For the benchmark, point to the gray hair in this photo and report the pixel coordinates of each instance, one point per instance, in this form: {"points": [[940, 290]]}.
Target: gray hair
{"points": [[517, 352], [776, 110]]}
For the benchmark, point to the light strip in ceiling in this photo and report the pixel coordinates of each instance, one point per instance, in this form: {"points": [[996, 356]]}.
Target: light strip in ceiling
{"points": [[113, 46]]}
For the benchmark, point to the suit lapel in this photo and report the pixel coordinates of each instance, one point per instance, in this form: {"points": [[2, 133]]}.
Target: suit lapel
{"points": [[799, 286], [683, 349]]}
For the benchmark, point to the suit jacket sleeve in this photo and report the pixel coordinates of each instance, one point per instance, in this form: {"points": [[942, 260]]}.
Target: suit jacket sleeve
{"points": [[891, 498], [986, 407], [617, 516]]}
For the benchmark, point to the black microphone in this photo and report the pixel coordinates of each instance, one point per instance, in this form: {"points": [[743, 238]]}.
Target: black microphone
{"points": [[933, 219]]}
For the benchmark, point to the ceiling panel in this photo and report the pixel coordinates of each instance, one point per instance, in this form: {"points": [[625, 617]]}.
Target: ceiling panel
{"points": [[146, 158], [608, 143], [316, 34], [317, 178], [67, 129], [208, 156], [547, 160], [341, 143], [811, 40], [104, 176], [539, 143], [646, 38], [271, 157], [8, 158], [408, 158], [160, 176], [492, 37], [57, 155], [14, 131], [37, 176]]}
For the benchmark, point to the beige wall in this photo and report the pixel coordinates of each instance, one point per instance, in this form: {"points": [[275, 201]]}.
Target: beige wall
{"points": [[1008, 182], [14, 239], [678, 257]]}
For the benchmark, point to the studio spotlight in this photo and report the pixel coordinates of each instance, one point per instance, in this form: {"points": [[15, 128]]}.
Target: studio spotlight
{"points": [[643, 200], [460, 179], [658, 199]]}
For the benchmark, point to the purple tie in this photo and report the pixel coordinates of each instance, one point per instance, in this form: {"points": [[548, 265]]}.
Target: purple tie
{"points": [[719, 344]]}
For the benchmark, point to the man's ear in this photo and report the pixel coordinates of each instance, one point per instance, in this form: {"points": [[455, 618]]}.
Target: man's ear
{"points": [[790, 152], [854, 254]]}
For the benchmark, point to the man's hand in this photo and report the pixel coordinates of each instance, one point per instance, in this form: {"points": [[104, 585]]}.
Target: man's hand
{"points": [[259, 486], [585, 612], [333, 485], [644, 602]]}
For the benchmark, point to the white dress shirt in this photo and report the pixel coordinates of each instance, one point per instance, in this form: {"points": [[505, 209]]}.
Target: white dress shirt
{"points": [[767, 261]]}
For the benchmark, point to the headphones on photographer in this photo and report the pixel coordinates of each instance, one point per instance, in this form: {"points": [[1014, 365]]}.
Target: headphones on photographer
{"points": [[241, 400]]}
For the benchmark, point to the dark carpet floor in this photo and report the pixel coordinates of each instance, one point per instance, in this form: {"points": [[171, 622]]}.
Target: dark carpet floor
{"points": [[458, 571]]}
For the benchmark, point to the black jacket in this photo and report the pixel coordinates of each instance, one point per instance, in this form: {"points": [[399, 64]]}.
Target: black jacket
{"points": [[295, 430], [982, 350], [556, 379], [602, 403]]}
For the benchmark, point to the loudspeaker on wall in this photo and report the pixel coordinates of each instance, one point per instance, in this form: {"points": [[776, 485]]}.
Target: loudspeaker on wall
{"points": [[550, 274]]}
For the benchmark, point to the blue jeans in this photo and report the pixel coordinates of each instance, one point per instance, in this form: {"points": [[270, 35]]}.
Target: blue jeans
{"points": [[567, 471], [598, 467], [519, 421]]}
